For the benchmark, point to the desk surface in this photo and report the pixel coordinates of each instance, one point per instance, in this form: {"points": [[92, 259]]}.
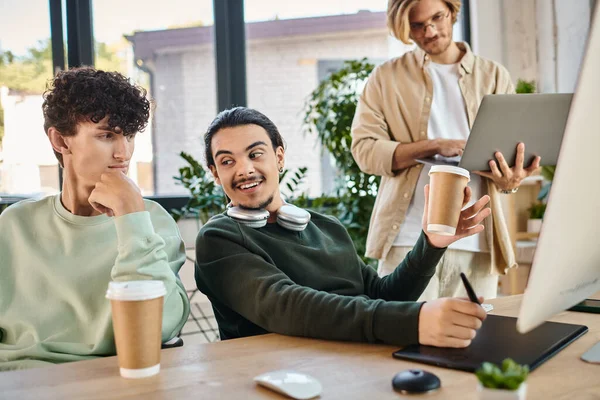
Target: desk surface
{"points": [[225, 370]]}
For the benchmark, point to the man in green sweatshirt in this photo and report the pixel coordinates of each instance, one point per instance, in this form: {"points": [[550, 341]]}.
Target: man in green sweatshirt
{"points": [[58, 254], [311, 282]]}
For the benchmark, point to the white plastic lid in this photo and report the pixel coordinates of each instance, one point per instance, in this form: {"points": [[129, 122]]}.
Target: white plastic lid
{"points": [[450, 169], [135, 290]]}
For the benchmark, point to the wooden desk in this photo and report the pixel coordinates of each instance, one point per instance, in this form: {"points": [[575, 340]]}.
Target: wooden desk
{"points": [[347, 371]]}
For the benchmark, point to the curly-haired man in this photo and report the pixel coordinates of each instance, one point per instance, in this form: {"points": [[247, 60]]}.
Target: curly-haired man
{"points": [[59, 253]]}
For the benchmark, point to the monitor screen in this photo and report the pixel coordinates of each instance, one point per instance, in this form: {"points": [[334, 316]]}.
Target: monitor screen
{"points": [[566, 265]]}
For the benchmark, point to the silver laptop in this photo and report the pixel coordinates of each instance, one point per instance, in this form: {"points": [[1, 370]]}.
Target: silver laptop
{"points": [[504, 120]]}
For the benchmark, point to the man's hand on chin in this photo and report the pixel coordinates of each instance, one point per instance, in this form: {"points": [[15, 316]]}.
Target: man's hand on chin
{"points": [[116, 195]]}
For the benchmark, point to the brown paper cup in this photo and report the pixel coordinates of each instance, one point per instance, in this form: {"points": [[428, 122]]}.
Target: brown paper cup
{"points": [[446, 194], [137, 308]]}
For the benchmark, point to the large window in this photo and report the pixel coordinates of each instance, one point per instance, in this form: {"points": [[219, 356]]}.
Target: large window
{"points": [[166, 47], [27, 164]]}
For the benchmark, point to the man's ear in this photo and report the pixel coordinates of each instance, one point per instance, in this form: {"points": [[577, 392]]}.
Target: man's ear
{"points": [[58, 142], [215, 174], [280, 156]]}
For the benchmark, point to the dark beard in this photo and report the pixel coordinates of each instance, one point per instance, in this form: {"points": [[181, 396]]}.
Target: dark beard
{"points": [[261, 206]]}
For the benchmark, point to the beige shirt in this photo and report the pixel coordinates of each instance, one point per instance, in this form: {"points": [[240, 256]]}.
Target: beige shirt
{"points": [[394, 108]]}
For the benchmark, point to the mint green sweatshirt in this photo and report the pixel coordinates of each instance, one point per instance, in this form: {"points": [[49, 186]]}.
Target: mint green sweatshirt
{"points": [[54, 271]]}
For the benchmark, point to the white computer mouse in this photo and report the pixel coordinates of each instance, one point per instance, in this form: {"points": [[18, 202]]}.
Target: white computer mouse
{"points": [[296, 385]]}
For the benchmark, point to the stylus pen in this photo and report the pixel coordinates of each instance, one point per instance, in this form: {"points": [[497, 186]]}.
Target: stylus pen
{"points": [[469, 289]]}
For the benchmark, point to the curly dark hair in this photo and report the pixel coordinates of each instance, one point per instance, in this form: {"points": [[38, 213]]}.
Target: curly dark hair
{"points": [[87, 94]]}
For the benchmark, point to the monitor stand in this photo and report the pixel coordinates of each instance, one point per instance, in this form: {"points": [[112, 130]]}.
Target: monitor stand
{"points": [[589, 306], [592, 355]]}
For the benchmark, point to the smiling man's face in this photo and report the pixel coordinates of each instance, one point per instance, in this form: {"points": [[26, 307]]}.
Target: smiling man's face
{"points": [[247, 166]]}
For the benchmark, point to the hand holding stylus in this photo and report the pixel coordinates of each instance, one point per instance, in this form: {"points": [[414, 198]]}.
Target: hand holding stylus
{"points": [[451, 322]]}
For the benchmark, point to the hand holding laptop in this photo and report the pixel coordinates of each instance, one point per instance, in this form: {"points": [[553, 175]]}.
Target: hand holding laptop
{"points": [[505, 177]]}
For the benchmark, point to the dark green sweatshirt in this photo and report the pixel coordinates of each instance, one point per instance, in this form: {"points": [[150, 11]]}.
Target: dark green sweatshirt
{"points": [[309, 283]]}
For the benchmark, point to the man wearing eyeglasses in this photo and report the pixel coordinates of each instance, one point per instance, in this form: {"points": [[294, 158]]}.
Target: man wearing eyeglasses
{"points": [[421, 105]]}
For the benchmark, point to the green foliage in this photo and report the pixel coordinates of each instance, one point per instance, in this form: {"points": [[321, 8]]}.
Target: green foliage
{"points": [[525, 86], [207, 198], [328, 113], [28, 73], [106, 58], [537, 210], [509, 377], [292, 182], [548, 174], [31, 72], [6, 57]]}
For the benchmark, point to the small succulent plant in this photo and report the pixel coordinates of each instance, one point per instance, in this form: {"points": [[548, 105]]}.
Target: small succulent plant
{"points": [[508, 377]]}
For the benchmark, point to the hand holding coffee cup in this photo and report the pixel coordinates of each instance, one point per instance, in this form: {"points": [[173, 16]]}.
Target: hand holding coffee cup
{"points": [[137, 308], [443, 221]]}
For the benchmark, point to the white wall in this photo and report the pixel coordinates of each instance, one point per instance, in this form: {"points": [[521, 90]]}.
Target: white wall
{"points": [[546, 47], [572, 23], [542, 40], [487, 29], [520, 38], [25, 145]]}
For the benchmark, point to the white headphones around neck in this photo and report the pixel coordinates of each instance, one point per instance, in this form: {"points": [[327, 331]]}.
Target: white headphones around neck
{"points": [[288, 216]]}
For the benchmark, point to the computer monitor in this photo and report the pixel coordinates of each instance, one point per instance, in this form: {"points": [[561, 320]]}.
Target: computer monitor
{"points": [[566, 264]]}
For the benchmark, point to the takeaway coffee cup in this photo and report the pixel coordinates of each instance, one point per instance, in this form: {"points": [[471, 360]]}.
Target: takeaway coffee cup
{"points": [[446, 194], [137, 308]]}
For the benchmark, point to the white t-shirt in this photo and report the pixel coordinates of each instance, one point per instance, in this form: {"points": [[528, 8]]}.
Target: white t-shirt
{"points": [[448, 120]]}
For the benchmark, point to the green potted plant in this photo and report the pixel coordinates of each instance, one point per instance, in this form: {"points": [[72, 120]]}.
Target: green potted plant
{"points": [[206, 197], [536, 214], [328, 113], [524, 86], [502, 383]]}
